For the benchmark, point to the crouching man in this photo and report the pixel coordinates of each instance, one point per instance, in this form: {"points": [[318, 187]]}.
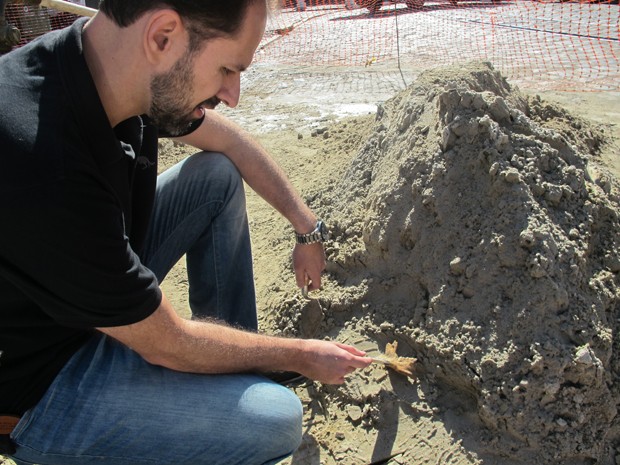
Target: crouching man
{"points": [[95, 364]]}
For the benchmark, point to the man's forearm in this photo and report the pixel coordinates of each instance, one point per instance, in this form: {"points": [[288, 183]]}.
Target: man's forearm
{"points": [[193, 346], [265, 177], [202, 347], [210, 347], [258, 169]]}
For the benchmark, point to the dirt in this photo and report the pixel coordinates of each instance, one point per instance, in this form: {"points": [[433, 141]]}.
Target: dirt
{"points": [[477, 225]]}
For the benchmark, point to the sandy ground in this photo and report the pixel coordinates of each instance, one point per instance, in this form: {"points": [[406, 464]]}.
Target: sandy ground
{"points": [[493, 387], [502, 379]]}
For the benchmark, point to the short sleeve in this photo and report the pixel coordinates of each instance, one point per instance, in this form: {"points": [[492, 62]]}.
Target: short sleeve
{"points": [[64, 245]]}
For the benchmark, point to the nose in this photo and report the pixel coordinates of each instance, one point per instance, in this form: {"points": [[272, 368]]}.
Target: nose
{"points": [[231, 89]]}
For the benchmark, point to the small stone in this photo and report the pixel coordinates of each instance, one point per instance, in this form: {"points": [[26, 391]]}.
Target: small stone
{"points": [[457, 266], [468, 292], [584, 356], [511, 176], [499, 109], [527, 239], [386, 326], [354, 413]]}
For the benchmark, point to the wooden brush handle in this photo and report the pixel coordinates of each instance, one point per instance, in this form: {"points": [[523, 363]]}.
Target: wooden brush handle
{"points": [[69, 7]]}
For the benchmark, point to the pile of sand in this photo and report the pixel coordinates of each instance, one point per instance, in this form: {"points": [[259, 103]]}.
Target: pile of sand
{"points": [[474, 228]]}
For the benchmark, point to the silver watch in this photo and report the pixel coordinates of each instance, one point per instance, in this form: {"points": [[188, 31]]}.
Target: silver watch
{"points": [[319, 234]]}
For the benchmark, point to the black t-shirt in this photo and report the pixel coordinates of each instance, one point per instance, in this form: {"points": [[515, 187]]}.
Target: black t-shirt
{"points": [[75, 201]]}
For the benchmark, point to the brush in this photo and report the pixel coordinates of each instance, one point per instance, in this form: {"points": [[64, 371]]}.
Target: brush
{"points": [[403, 365]]}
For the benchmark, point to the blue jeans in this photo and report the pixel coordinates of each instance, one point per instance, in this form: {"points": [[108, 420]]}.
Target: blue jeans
{"points": [[200, 211], [108, 406]]}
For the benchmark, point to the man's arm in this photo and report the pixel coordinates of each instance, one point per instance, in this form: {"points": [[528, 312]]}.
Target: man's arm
{"points": [[192, 346], [218, 134]]}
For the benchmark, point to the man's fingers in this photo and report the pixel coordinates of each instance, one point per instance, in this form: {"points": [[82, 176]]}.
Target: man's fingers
{"points": [[361, 362], [308, 283], [314, 281], [351, 349], [309, 261], [300, 277]]}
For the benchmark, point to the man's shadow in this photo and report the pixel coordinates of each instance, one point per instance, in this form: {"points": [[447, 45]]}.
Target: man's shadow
{"points": [[309, 453]]}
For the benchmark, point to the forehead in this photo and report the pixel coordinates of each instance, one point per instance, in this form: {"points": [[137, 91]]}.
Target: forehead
{"points": [[240, 48]]}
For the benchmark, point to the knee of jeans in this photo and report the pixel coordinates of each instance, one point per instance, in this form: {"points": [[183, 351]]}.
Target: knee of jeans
{"points": [[284, 425], [215, 171], [214, 163]]}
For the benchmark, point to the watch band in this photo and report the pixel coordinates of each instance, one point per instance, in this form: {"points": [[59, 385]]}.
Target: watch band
{"points": [[319, 234]]}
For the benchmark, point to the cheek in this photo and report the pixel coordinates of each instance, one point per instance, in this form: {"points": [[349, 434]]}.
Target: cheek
{"points": [[208, 84]]}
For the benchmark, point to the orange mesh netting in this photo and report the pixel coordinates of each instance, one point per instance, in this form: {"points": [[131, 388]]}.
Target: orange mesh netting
{"points": [[567, 44], [559, 45]]}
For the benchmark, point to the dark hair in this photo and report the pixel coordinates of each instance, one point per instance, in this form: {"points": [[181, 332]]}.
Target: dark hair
{"points": [[204, 19]]}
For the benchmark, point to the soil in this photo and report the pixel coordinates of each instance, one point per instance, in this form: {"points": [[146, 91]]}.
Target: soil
{"points": [[477, 225]]}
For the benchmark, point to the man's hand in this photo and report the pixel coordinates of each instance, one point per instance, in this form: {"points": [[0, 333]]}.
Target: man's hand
{"points": [[308, 264], [329, 362]]}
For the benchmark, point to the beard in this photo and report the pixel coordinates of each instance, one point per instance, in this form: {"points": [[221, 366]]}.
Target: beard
{"points": [[171, 110]]}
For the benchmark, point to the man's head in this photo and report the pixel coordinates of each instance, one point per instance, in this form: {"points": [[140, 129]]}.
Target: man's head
{"points": [[204, 19], [195, 49]]}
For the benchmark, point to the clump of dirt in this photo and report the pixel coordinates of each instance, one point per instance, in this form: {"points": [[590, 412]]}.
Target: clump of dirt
{"points": [[474, 227]]}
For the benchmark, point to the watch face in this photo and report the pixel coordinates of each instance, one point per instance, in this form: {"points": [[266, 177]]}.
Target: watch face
{"points": [[323, 231]]}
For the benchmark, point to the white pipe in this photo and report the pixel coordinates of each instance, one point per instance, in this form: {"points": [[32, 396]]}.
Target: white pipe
{"points": [[69, 7]]}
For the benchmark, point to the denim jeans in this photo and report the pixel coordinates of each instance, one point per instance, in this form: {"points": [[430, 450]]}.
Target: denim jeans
{"points": [[200, 211], [108, 406]]}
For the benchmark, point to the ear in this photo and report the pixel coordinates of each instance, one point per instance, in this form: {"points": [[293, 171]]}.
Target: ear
{"points": [[165, 38]]}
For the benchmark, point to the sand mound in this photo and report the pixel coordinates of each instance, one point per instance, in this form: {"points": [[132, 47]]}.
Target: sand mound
{"points": [[473, 228]]}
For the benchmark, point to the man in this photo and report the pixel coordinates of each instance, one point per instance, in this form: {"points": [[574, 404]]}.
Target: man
{"points": [[95, 362]]}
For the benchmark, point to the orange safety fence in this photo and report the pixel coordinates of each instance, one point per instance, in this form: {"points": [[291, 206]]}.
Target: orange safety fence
{"points": [[562, 45], [550, 44]]}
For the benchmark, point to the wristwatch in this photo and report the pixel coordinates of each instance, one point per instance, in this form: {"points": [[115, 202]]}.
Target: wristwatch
{"points": [[319, 234]]}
